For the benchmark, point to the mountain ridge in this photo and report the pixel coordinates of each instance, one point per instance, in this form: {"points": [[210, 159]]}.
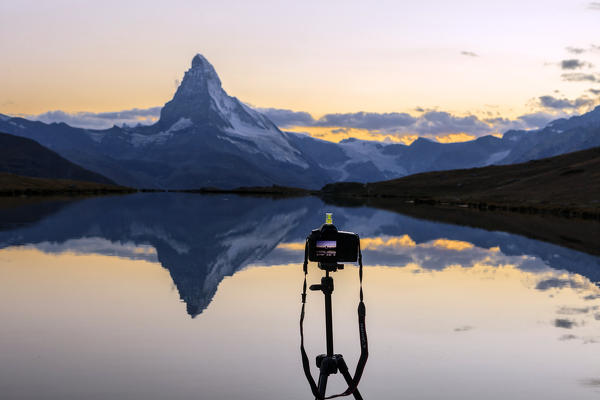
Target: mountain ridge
{"points": [[207, 138]]}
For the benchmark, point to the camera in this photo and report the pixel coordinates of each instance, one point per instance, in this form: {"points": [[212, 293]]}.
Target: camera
{"points": [[328, 245]]}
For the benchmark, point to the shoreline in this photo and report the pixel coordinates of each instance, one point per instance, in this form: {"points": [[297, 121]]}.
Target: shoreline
{"points": [[561, 229], [386, 201]]}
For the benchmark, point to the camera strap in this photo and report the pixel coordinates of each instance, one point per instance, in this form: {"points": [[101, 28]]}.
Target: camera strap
{"points": [[362, 331]]}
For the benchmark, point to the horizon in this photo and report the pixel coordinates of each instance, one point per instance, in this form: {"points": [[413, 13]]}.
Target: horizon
{"points": [[446, 72]]}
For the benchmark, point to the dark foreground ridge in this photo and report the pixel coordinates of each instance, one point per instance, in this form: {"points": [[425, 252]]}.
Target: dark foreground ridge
{"points": [[22, 156], [16, 185], [567, 185]]}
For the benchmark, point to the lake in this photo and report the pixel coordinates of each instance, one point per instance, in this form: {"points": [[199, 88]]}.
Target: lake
{"points": [[186, 296]]}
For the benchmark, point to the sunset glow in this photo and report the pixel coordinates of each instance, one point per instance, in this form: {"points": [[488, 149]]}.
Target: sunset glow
{"points": [[479, 60]]}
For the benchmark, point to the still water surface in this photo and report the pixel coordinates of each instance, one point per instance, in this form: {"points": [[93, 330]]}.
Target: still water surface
{"points": [[175, 296]]}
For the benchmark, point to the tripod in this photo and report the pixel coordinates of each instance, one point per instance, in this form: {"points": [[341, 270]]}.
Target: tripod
{"points": [[330, 363]]}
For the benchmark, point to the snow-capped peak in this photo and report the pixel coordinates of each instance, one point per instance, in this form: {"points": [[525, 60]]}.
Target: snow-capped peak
{"points": [[201, 65], [201, 100]]}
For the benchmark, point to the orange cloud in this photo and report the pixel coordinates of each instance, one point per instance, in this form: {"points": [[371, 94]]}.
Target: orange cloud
{"points": [[452, 244], [455, 137], [367, 243], [377, 243], [339, 133], [293, 246], [380, 243]]}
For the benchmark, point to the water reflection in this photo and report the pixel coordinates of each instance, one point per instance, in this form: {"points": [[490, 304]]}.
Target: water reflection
{"points": [[202, 239], [91, 291]]}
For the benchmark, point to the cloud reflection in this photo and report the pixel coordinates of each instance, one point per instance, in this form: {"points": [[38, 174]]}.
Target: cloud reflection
{"points": [[592, 382], [567, 337], [97, 245], [463, 328], [436, 254]]}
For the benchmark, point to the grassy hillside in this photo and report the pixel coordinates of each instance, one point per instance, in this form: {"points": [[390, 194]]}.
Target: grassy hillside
{"points": [[567, 183]]}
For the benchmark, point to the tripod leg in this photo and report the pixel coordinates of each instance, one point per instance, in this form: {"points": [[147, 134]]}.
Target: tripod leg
{"points": [[344, 370], [323, 382]]}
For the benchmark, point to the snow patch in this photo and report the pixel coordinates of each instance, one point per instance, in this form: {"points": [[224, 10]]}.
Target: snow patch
{"points": [[250, 242], [182, 123], [137, 139], [241, 145], [17, 125], [495, 157], [365, 151], [96, 136], [257, 129]]}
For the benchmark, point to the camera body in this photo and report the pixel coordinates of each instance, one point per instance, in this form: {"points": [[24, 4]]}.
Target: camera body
{"points": [[327, 245]]}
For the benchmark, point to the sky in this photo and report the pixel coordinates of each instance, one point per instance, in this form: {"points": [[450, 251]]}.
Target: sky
{"points": [[380, 70]]}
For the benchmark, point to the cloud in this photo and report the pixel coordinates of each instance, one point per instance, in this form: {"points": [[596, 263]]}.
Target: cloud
{"points": [[574, 63], [537, 119], [340, 130], [594, 5], [438, 122], [564, 323], [429, 123], [469, 54], [558, 283], [84, 119], [463, 328], [579, 77], [567, 337], [575, 50], [594, 91], [370, 121], [575, 310], [533, 120], [433, 124], [401, 127], [455, 137], [286, 118], [555, 103]]}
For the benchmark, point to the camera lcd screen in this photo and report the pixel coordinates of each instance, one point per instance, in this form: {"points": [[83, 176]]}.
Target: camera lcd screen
{"points": [[325, 248]]}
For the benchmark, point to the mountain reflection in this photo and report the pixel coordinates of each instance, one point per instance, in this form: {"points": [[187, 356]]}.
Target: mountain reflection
{"points": [[202, 239]]}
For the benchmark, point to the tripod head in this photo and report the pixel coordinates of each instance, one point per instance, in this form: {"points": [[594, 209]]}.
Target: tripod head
{"points": [[330, 267]]}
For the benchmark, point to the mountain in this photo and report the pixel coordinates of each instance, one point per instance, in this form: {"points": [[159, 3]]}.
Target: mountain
{"points": [[26, 157], [558, 137], [205, 137]]}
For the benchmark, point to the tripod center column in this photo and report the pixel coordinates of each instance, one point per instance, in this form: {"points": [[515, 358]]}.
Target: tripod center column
{"points": [[327, 288]]}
